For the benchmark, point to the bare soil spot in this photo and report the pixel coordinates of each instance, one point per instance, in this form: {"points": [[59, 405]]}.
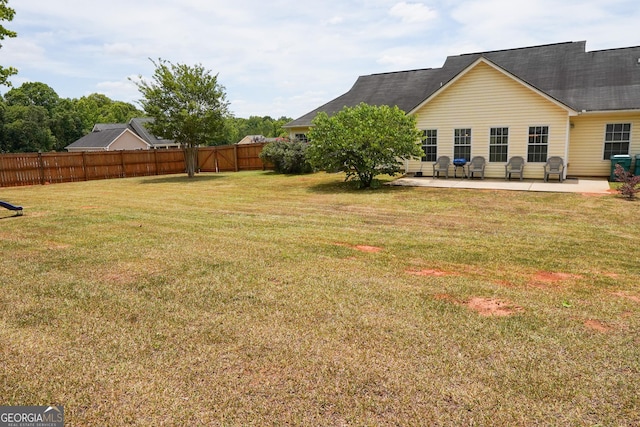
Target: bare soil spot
{"points": [[57, 246], [493, 307], [552, 277], [633, 298], [597, 325], [361, 248], [429, 272], [504, 283], [545, 279], [366, 248]]}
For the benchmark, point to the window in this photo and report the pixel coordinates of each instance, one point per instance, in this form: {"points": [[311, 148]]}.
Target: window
{"points": [[430, 145], [538, 144], [302, 137], [498, 144], [462, 144], [616, 139]]}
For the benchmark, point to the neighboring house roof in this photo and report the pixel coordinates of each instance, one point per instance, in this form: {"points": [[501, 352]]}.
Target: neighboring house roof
{"points": [[605, 80], [138, 125], [104, 134], [252, 139]]}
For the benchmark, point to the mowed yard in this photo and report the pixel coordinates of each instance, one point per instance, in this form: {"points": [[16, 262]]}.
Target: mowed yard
{"points": [[260, 299]]}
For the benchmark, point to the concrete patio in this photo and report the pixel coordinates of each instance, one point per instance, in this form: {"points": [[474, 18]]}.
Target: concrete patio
{"points": [[571, 185]]}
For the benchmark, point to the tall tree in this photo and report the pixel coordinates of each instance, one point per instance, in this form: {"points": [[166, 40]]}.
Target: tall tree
{"points": [[33, 93], [187, 104], [6, 14], [363, 141], [26, 129]]}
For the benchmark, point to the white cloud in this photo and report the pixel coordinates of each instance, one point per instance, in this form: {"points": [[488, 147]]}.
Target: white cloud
{"points": [[412, 12], [278, 56]]}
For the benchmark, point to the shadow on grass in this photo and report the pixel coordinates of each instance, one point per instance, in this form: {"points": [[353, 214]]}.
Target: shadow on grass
{"points": [[354, 187], [174, 179], [11, 216]]}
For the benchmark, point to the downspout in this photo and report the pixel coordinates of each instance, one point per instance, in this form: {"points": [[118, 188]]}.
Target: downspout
{"points": [[566, 147]]}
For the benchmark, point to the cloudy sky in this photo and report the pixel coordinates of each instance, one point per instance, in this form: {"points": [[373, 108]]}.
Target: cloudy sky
{"points": [[285, 57]]}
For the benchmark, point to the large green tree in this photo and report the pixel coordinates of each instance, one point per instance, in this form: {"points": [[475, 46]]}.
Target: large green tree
{"points": [[363, 141], [34, 118], [237, 128], [6, 14], [26, 129], [188, 104]]}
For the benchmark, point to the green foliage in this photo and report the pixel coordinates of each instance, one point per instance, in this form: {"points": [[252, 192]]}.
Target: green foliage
{"points": [[630, 183], [35, 118], [98, 108], [6, 14], [237, 128], [26, 129], [363, 141], [187, 104], [287, 156], [33, 93]]}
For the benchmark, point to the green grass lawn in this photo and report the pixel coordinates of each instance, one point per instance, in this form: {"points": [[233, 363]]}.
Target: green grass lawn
{"points": [[261, 299]]}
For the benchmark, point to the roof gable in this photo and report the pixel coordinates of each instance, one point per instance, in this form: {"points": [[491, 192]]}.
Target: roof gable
{"points": [[103, 139], [484, 60], [104, 135], [564, 73]]}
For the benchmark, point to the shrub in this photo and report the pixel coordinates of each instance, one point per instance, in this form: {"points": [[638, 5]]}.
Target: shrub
{"points": [[364, 141], [630, 183], [287, 156]]}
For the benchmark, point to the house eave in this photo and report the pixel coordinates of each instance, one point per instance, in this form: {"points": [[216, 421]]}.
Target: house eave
{"points": [[602, 112], [444, 86]]}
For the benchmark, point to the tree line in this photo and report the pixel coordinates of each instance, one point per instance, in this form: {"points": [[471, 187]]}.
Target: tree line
{"points": [[34, 118]]}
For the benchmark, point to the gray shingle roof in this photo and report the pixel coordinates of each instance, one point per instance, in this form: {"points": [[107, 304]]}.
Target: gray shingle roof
{"points": [[593, 81], [104, 134], [99, 138]]}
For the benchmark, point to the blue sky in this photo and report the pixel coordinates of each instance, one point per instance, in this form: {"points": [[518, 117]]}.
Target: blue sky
{"points": [[284, 57]]}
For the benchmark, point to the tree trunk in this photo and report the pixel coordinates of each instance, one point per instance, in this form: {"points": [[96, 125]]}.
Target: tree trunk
{"points": [[191, 159]]}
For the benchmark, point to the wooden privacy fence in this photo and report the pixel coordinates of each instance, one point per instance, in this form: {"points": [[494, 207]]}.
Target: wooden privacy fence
{"points": [[49, 168]]}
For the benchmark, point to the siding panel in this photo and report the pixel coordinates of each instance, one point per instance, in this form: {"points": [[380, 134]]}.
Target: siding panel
{"points": [[587, 142], [484, 98]]}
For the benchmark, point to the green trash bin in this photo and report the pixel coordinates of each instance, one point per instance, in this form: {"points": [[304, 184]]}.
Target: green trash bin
{"points": [[636, 170], [622, 160]]}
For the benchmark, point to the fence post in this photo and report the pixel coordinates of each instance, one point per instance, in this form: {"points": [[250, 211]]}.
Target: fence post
{"points": [[84, 165], [235, 156], [41, 167], [124, 169], [1, 169], [155, 159]]}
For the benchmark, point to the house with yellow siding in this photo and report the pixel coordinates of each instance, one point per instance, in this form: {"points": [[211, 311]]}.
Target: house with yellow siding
{"points": [[534, 102]]}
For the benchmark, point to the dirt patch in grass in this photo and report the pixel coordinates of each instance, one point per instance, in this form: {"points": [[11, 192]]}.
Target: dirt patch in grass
{"points": [[488, 307], [367, 248], [361, 248], [57, 246], [633, 298], [430, 272], [552, 277], [544, 279], [597, 325], [493, 307]]}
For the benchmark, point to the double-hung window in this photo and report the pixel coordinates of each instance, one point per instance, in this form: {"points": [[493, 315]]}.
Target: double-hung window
{"points": [[301, 137], [430, 145], [538, 144], [462, 144], [498, 144], [616, 139]]}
